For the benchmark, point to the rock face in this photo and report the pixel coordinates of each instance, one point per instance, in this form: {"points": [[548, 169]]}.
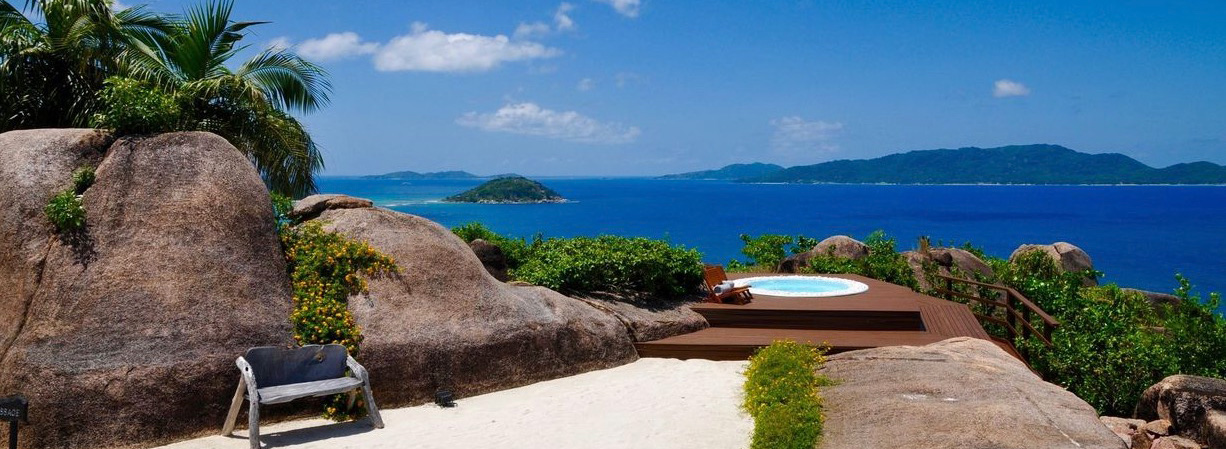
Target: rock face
{"points": [[491, 257], [958, 393], [1066, 255], [311, 206], [955, 262], [651, 322], [1195, 406], [128, 336], [839, 245], [445, 323], [1155, 298]]}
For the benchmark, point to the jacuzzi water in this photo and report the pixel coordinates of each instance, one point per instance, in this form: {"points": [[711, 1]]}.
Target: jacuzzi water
{"points": [[801, 286]]}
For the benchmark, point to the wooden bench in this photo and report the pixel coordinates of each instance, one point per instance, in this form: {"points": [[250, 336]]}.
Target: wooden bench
{"points": [[273, 375]]}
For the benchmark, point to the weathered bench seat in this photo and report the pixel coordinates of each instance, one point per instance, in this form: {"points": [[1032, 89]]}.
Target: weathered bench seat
{"points": [[272, 375]]}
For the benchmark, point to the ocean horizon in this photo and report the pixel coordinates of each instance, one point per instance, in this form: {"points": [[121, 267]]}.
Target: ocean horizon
{"points": [[1138, 235]]}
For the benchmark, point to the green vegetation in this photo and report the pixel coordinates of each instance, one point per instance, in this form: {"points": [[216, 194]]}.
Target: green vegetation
{"points": [[428, 175], [729, 172], [65, 210], [635, 267], [766, 251], [613, 264], [782, 395], [136, 71], [1019, 164], [884, 262], [515, 189]]}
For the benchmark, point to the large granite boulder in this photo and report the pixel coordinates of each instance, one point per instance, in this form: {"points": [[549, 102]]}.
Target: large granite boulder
{"points": [[127, 337], [650, 320], [954, 262], [1066, 255], [445, 323], [839, 245], [1195, 406], [311, 206], [958, 393]]}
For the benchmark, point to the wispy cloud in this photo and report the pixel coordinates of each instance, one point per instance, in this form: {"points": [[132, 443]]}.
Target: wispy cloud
{"points": [[623, 79], [279, 43], [628, 8], [429, 50], [561, 22], [794, 134], [586, 84], [531, 119], [1009, 88], [335, 46]]}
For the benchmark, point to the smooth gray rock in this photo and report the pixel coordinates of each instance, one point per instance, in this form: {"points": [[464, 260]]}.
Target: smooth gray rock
{"points": [[1194, 405], [958, 393], [1066, 255], [311, 206], [838, 245]]}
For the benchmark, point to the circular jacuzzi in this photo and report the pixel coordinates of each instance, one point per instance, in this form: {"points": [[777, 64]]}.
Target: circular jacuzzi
{"points": [[801, 286]]}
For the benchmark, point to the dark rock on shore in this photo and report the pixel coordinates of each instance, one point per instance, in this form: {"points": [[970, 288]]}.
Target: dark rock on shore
{"points": [[958, 393], [1195, 407], [134, 344]]}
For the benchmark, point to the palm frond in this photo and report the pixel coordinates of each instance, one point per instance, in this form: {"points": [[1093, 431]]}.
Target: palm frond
{"points": [[287, 80]]}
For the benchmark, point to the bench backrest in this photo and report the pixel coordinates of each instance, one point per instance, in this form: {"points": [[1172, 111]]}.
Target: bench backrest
{"points": [[714, 274], [273, 366]]}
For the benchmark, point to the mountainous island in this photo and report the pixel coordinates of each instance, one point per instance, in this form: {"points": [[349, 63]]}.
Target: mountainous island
{"points": [[508, 190], [454, 174], [730, 172], [1016, 164]]}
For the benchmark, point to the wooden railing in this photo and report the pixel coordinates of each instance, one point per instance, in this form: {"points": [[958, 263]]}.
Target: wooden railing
{"points": [[1017, 310]]}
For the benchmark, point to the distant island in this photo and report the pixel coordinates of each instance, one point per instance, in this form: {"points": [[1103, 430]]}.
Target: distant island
{"points": [[455, 174], [730, 172], [1017, 164], [508, 190]]}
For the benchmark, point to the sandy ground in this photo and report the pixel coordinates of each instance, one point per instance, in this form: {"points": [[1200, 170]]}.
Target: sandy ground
{"points": [[651, 403]]}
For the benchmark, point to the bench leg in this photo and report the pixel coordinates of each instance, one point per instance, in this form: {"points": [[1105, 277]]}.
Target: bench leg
{"points": [[253, 424], [371, 409], [235, 404], [352, 397]]}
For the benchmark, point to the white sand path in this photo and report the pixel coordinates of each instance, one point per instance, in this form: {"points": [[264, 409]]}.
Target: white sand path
{"points": [[651, 403]]}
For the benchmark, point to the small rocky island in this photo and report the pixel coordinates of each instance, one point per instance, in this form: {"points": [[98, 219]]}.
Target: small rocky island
{"points": [[508, 190]]}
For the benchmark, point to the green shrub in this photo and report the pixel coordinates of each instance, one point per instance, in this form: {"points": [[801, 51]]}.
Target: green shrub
{"points": [[281, 207], [613, 264], [782, 395], [82, 178], [766, 251], [66, 211], [883, 262], [130, 106], [516, 250]]}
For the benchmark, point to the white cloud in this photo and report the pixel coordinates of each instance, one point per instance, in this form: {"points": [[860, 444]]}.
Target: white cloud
{"points": [[561, 17], [279, 43], [531, 30], [795, 134], [435, 51], [586, 84], [623, 79], [336, 46], [533, 120], [119, 6], [628, 8], [1009, 88]]}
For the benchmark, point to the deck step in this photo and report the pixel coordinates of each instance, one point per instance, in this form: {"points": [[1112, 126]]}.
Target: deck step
{"points": [[779, 318], [727, 343]]}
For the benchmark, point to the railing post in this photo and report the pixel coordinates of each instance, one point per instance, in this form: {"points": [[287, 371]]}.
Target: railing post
{"points": [[1010, 313]]}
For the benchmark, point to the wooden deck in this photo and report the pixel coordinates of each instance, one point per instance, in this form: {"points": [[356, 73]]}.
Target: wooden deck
{"points": [[885, 315]]}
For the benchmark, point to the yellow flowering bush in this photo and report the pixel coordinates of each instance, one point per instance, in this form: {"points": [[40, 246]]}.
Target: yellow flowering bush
{"points": [[782, 396], [325, 269]]}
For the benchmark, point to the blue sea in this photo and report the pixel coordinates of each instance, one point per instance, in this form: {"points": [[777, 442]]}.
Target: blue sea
{"points": [[1140, 236]]}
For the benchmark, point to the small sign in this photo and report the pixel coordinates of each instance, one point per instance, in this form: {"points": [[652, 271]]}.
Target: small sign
{"points": [[13, 409]]}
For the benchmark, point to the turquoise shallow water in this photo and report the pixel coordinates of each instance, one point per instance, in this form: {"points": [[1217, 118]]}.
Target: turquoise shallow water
{"points": [[1140, 236]]}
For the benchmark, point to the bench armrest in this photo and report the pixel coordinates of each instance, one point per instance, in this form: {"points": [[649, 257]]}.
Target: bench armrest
{"points": [[359, 371], [248, 378]]}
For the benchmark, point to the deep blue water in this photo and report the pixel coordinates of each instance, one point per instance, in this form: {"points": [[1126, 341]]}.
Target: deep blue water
{"points": [[1140, 236]]}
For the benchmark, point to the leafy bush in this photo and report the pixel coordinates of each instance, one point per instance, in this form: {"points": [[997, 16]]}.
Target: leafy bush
{"points": [[883, 262], [782, 396], [66, 211], [130, 106], [613, 264], [766, 251], [1112, 344], [516, 250], [82, 179], [281, 207]]}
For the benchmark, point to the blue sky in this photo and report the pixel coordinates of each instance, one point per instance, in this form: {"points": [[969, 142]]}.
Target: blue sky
{"points": [[644, 87]]}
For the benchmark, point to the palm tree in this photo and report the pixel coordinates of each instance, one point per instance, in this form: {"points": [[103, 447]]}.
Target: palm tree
{"points": [[249, 105], [51, 68]]}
